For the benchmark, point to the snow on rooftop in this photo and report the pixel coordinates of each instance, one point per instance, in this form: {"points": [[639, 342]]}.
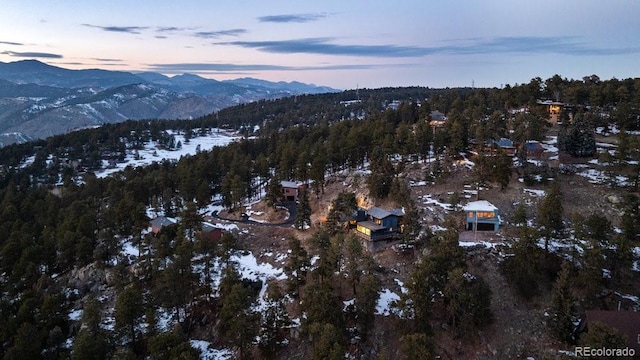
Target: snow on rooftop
{"points": [[480, 205]]}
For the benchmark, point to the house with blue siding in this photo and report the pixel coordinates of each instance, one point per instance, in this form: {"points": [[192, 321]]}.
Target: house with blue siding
{"points": [[482, 215], [378, 224]]}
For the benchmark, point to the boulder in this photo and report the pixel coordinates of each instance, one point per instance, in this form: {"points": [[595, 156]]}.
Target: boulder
{"points": [[87, 278], [614, 199]]}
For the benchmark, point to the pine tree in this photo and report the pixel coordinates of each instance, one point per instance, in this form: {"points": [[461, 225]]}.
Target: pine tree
{"points": [[417, 346], [550, 212], [562, 312], [238, 322], [296, 266], [275, 322], [303, 215], [366, 299]]}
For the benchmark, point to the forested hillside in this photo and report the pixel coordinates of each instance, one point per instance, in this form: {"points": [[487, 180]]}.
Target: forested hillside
{"points": [[84, 276]]}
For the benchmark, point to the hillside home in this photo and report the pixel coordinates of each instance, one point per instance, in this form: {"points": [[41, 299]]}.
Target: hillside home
{"points": [[554, 109], [291, 190], [437, 119], [211, 232], [533, 148], [503, 143], [378, 224], [481, 216], [160, 222]]}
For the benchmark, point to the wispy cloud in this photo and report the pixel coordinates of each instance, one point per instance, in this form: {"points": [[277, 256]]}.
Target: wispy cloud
{"points": [[220, 33], [229, 67], [107, 60], [295, 18], [120, 29], [325, 47], [172, 29], [11, 43], [564, 45], [32, 55]]}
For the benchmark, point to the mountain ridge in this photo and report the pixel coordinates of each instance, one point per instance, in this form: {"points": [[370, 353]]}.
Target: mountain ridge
{"points": [[39, 100]]}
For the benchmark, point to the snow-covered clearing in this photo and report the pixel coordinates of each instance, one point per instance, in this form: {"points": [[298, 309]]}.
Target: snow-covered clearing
{"points": [[208, 353], [151, 153]]}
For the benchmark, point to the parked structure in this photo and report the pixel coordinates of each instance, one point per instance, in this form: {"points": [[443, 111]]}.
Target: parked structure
{"points": [[482, 216]]}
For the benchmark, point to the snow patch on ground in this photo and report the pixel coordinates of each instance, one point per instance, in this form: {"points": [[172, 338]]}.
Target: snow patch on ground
{"points": [[385, 302], [208, 353], [534, 192], [151, 153]]}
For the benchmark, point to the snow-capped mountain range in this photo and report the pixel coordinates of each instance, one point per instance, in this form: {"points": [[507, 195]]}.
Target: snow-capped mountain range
{"points": [[39, 100]]}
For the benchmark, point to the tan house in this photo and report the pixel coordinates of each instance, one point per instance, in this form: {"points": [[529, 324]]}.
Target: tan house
{"points": [[291, 190]]}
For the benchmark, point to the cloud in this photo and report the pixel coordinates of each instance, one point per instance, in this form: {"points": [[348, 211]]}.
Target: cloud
{"points": [[121, 29], [11, 43], [107, 60], [171, 29], [179, 68], [32, 55], [325, 47], [219, 33], [563, 45], [296, 18]]}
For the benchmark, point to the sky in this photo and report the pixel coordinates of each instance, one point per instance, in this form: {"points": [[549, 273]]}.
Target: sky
{"points": [[343, 44]]}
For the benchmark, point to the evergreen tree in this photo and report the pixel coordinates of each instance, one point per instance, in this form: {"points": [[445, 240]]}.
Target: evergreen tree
{"points": [[417, 346], [275, 322], [366, 300], [502, 169], [303, 215], [600, 335], [128, 313], [296, 266], [562, 312], [328, 342], [550, 212], [578, 138], [382, 174], [238, 322]]}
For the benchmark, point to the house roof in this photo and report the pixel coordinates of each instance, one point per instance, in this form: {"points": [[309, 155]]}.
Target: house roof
{"points": [[161, 221], [437, 116], [378, 213], [289, 184], [533, 146], [626, 322], [480, 205], [208, 227], [371, 225], [502, 142], [549, 102]]}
